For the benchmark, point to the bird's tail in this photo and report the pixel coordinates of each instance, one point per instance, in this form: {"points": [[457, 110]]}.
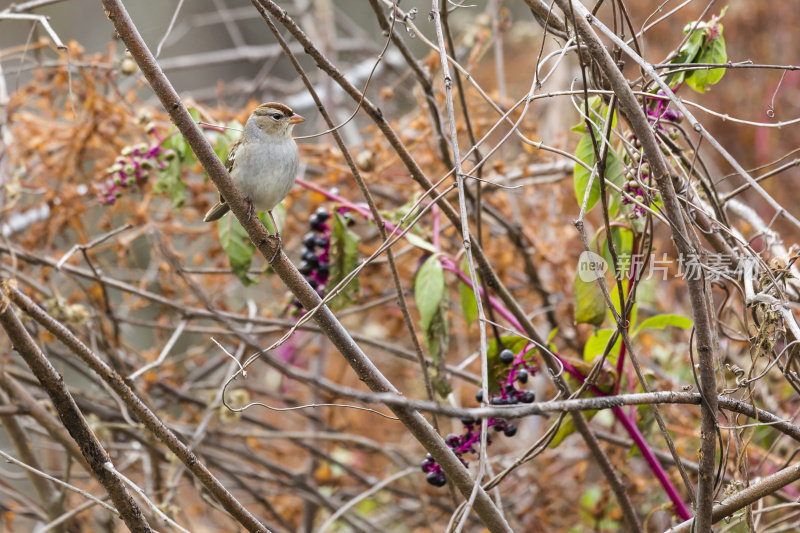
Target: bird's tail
{"points": [[216, 212]]}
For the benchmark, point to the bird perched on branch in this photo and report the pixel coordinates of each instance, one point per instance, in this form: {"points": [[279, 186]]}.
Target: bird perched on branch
{"points": [[263, 162]]}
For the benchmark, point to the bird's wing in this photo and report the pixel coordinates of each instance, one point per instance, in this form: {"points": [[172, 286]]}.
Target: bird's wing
{"points": [[231, 160]]}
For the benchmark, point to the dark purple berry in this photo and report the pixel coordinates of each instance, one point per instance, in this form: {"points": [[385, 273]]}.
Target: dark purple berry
{"points": [[467, 420], [321, 242], [323, 269], [510, 430], [322, 214], [316, 223], [522, 376], [348, 218], [312, 282], [310, 257], [305, 268], [436, 479], [506, 356], [310, 240], [527, 397], [497, 400], [479, 395], [452, 440]]}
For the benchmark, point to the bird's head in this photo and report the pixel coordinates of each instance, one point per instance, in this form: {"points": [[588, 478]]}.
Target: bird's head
{"points": [[275, 119]]}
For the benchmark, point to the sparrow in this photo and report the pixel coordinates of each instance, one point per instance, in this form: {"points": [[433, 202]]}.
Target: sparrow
{"points": [[263, 162]]}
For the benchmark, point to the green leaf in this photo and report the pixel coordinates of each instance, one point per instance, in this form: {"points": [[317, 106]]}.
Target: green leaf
{"points": [[623, 244], [279, 212], [222, 146], [431, 297], [343, 260], [687, 54], [714, 52], [429, 290], [419, 242], [614, 297], [170, 181], [705, 45], [597, 114], [237, 245], [662, 321], [469, 307], [595, 346], [224, 140], [613, 172], [567, 428], [590, 307], [437, 339], [194, 113], [550, 338]]}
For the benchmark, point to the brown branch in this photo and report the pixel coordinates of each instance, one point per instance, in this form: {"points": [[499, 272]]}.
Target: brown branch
{"points": [[745, 497], [72, 419], [142, 412]]}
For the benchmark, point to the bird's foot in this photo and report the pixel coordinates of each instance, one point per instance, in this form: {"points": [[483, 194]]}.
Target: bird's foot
{"points": [[250, 209], [278, 246]]}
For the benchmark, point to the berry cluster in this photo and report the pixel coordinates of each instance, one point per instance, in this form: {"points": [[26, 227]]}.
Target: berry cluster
{"points": [[314, 265], [133, 168], [516, 369], [517, 372], [658, 113]]}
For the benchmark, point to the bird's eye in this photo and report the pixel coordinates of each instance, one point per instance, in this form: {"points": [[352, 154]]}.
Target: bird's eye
{"points": [[277, 116]]}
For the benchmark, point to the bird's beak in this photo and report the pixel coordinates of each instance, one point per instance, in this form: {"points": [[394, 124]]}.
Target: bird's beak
{"points": [[296, 119]]}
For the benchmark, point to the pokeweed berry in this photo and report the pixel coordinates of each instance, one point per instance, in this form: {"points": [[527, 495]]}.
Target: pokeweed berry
{"points": [[527, 396], [314, 265], [134, 166], [517, 369], [436, 479], [322, 214], [315, 223], [310, 240], [506, 356], [310, 257], [305, 268]]}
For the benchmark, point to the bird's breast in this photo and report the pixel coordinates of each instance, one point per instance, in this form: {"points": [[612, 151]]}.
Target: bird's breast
{"points": [[265, 172]]}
